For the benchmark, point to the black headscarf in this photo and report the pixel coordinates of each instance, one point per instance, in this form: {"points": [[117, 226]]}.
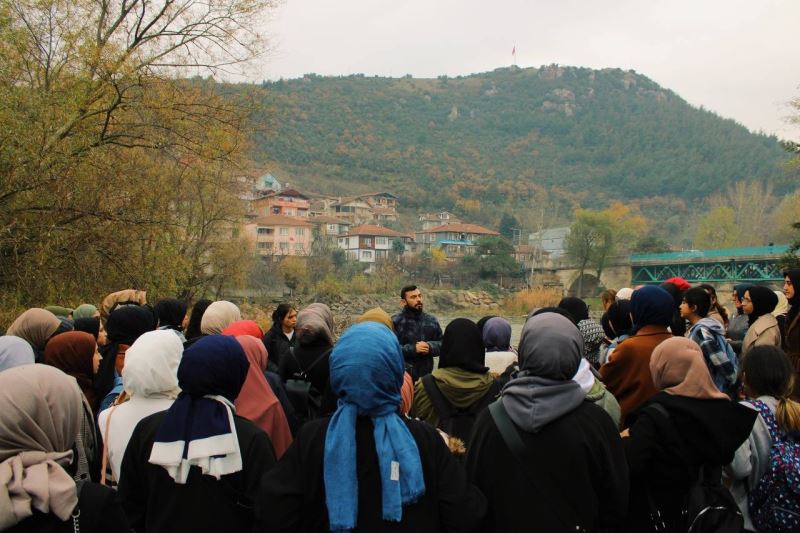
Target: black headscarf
{"points": [[482, 322], [619, 314], [740, 290], [89, 325], [171, 313], [677, 324], [125, 325], [193, 329], [462, 347], [794, 301], [575, 307], [764, 302]]}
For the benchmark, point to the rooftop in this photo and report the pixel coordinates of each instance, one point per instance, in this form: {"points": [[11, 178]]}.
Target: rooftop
{"points": [[379, 231], [460, 228], [282, 220]]}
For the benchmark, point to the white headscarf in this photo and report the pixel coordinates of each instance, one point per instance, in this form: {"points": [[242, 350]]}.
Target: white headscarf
{"points": [[624, 293], [219, 316], [783, 304], [151, 365]]}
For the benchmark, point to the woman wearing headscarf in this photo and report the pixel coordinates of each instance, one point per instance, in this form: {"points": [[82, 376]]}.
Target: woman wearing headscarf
{"points": [[257, 402], [219, 316], [758, 304], [791, 341], [36, 326], [150, 381], [619, 322], [462, 377], [195, 319], [123, 327], [378, 315], [75, 353], [701, 426], [90, 325], [280, 336], [780, 312], [15, 352], [251, 328], [737, 325], [171, 314], [85, 311], [366, 467], [678, 324], [196, 466], [571, 444], [591, 331], [41, 414], [497, 340], [122, 298], [314, 334], [627, 374], [59, 310]]}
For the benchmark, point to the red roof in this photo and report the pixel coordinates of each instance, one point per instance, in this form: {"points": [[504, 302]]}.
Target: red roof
{"points": [[282, 220], [379, 231], [460, 228]]}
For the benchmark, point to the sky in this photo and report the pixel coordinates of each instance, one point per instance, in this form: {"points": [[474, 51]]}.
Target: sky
{"points": [[740, 59]]}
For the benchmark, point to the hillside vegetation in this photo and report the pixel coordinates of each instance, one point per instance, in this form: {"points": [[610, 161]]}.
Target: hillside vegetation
{"points": [[544, 140]]}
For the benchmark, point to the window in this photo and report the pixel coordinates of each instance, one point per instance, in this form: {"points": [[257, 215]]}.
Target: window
{"points": [[380, 240], [276, 210], [333, 228], [299, 231], [284, 231], [263, 245], [366, 254], [367, 241], [298, 247], [284, 246], [265, 231], [290, 212]]}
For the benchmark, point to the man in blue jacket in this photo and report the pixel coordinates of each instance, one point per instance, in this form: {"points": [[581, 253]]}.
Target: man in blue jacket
{"points": [[418, 332]]}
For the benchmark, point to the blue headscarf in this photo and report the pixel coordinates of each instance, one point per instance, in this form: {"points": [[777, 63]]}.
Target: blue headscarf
{"points": [[651, 306], [497, 335], [366, 375], [198, 428]]}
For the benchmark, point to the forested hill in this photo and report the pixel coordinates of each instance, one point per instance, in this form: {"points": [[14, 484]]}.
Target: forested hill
{"points": [[507, 138]]}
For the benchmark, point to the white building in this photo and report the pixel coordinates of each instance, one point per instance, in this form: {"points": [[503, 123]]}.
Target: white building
{"points": [[368, 243]]}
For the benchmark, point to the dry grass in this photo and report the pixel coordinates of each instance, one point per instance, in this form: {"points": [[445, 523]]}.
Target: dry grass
{"points": [[523, 302]]}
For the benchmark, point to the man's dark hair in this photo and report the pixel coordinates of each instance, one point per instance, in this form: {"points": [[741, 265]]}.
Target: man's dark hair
{"points": [[698, 298], [404, 290]]}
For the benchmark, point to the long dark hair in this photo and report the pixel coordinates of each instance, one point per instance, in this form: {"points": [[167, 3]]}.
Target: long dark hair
{"points": [[280, 313], [715, 301], [767, 371], [193, 329]]}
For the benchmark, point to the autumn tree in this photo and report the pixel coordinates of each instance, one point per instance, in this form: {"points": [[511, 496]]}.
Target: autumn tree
{"points": [[112, 160], [718, 229], [294, 272]]}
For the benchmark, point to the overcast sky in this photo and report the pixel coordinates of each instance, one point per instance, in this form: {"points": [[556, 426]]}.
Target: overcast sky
{"points": [[739, 58]]}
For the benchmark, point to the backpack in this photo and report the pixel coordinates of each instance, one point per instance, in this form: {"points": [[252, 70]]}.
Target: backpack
{"points": [[453, 421], [775, 502], [708, 506], [303, 395]]}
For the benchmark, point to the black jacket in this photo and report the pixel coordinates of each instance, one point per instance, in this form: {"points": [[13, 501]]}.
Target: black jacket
{"points": [[412, 326], [292, 495], [277, 346], [582, 466], [664, 454], [155, 503]]}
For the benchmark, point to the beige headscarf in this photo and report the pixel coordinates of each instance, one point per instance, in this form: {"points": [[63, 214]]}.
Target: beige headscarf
{"points": [[783, 304], [40, 418], [314, 322], [377, 314], [678, 367], [219, 316], [128, 295], [35, 326]]}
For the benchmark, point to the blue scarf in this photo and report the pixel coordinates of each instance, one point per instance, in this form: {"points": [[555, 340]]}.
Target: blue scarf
{"points": [[651, 306], [366, 375], [198, 428]]}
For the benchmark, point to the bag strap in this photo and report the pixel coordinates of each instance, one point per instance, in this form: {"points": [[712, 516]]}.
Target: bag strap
{"points": [[769, 419], [104, 465], [304, 372], [510, 435], [440, 404]]}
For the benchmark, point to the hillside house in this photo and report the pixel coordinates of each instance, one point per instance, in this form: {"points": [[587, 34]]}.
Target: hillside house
{"points": [[278, 235], [455, 240], [290, 203], [432, 220], [368, 243], [551, 240]]}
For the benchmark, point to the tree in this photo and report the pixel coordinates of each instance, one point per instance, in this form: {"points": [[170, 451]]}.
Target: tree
{"points": [[294, 272], [651, 244], [508, 226], [398, 249], [791, 259], [493, 258], [718, 229], [750, 203], [106, 146]]}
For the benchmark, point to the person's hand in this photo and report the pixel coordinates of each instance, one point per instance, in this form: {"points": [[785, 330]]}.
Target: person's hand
{"points": [[422, 347], [626, 433]]}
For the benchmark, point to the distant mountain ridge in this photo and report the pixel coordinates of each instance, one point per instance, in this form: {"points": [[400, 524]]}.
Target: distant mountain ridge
{"points": [[507, 139]]}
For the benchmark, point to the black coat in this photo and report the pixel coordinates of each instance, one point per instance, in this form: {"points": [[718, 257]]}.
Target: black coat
{"points": [[155, 503], [292, 495], [277, 345], [581, 462], [664, 454]]}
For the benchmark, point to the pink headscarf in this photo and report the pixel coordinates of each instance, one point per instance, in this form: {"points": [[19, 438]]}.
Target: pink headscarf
{"points": [[257, 402], [678, 367]]}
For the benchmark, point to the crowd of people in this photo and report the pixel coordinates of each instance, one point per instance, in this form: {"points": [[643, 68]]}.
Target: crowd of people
{"points": [[135, 417]]}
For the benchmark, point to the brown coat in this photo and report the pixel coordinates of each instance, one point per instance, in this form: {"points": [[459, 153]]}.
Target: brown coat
{"points": [[627, 376], [763, 332], [791, 345]]}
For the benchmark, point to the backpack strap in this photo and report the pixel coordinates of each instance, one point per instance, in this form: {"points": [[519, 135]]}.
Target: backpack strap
{"points": [[510, 434], [304, 372], [769, 419], [443, 408]]}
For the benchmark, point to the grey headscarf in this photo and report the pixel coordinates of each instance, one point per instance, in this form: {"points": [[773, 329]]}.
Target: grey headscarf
{"points": [[550, 351], [15, 352], [313, 323]]}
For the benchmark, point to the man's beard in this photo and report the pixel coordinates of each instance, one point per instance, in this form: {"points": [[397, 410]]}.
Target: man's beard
{"points": [[417, 308]]}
